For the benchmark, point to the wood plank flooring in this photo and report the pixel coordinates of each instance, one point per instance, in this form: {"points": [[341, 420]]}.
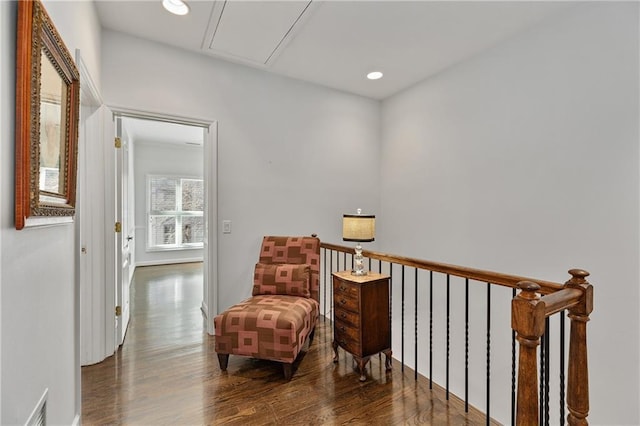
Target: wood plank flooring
{"points": [[167, 373]]}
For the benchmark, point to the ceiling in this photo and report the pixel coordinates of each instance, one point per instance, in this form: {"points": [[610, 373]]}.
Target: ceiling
{"points": [[334, 43]]}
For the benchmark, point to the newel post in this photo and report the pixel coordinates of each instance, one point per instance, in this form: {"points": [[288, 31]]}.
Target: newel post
{"points": [[578, 376], [527, 319]]}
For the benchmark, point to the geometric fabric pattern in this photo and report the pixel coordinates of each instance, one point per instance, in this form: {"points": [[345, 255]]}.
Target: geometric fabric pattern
{"points": [[300, 250], [286, 278], [275, 326], [272, 327]]}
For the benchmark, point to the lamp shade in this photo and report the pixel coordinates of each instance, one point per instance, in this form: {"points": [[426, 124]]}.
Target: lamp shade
{"points": [[358, 227]]}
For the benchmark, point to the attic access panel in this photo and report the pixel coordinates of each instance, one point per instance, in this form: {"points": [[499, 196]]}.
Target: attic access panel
{"points": [[253, 32]]}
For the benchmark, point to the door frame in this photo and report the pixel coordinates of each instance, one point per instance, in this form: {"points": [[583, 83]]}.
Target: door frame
{"points": [[210, 252], [210, 257]]}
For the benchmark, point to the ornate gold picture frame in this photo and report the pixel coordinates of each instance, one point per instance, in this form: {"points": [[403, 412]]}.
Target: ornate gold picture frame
{"points": [[47, 112]]}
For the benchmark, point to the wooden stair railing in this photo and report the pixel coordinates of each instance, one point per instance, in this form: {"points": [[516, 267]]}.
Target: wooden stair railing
{"points": [[529, 310], [506, 280], [528, 313]]}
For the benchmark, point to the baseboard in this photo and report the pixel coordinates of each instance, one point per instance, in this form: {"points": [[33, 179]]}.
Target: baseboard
{"points": [[168, 261], [76, 420]]}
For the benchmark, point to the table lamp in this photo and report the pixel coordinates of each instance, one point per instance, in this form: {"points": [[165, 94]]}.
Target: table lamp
{"points": [[359, 228]]}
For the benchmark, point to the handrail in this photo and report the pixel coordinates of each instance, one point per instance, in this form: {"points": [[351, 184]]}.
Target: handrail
{"points": [[561, 300], [507, 280], [536, 301]]}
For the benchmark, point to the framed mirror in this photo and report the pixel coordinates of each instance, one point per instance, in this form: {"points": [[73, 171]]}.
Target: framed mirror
{"points": [[47, 111]]}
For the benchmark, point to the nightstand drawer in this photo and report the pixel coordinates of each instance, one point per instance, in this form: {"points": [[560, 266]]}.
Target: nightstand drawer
{"points": [[347, 303], [344, 289], [352, 318], [347, 340], [344, 329]]}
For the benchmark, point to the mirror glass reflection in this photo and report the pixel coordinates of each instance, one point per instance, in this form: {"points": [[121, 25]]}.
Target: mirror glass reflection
{"points": [[52, 125]]}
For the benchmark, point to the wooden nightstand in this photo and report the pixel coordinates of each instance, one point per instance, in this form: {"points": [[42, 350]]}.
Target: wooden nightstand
{"points": [[362, 320]]}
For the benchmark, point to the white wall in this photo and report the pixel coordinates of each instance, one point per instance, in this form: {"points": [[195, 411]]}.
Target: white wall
{"points": [[525, 160], [38, 316], [78, 24], [292, 157], [153, 158], [6, 16]]}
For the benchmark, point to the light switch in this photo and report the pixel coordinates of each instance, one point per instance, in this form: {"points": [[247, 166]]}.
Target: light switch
{"points": [[226, 226]]}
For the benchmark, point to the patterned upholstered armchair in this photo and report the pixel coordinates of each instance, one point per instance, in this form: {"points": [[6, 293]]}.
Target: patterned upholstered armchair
{"points": [[282, 312]]}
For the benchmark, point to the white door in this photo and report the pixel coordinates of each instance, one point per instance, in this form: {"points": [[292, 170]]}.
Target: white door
{"points": [[123, 235], [90, 243], [90, 223], [109, 220]]}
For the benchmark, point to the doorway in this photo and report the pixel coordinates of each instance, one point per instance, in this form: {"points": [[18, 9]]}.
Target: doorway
{"points": [[160, 198], [135, 133]]}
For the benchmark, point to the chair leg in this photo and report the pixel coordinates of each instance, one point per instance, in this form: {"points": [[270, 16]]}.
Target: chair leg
{"points": [[312, 335], [288, 370], [223, 360]]}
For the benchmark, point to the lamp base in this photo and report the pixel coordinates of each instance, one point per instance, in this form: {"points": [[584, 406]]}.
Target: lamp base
{"points": [[358, 262]]}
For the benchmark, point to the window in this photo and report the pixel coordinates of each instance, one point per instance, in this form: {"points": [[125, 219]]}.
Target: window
{"points": [[175, 206]]}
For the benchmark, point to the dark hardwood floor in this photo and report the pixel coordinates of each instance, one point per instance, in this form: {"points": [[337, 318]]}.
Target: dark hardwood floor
{"points": [[167, 373]]}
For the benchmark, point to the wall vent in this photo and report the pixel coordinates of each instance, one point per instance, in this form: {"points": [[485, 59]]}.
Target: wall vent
{"points": [[38, 416]]}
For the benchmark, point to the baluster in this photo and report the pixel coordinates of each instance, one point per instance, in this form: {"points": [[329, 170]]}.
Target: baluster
{"points": [[391, 302], [527, 319], [415, 325], [466, 345], [562, 370], [547, 369], [402, 322], [578, 380], [542, 375], [448, 332], [513, 370], [430, 329], [488, 378], [331, 311], [325, 286], [545, 357]]}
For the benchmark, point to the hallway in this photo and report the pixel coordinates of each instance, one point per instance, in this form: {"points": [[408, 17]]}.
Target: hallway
{"points": [[150, 379], [167, 373]]}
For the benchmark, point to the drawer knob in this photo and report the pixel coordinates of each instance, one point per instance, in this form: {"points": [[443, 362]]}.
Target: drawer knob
{"points": [[342, 288], [342, 328], [343, 315], [342, 301]]}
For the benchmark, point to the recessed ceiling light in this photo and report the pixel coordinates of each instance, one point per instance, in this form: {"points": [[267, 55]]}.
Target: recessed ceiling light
{"points": [[374, 75], [177, 7]]}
